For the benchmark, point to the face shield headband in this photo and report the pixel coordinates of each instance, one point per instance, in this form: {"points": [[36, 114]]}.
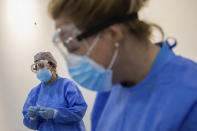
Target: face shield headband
{"points": [[96, 29]]}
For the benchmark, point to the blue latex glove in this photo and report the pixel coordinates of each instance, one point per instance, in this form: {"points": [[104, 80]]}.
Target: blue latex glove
{"points": [[32, 111], [47, 113]]}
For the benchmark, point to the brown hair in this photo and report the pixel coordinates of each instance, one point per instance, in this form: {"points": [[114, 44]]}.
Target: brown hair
{"points": [[85, 14]]}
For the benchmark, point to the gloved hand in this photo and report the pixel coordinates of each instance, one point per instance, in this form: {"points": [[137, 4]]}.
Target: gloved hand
{"points": [[47, 113], [32, 111]]}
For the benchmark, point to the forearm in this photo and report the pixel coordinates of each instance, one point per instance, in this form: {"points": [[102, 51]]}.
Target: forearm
{"points": [[69, 115]]}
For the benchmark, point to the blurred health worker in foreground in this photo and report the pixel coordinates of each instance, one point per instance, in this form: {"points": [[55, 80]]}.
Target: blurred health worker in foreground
{"points": [[141, 86], [56, 104]]}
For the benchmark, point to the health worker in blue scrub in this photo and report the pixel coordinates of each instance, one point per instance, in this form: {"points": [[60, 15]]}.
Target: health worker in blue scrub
{"points": [[141, 85], [56, 104]]}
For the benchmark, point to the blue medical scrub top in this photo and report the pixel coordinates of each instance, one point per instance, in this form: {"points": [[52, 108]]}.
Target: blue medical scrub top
{"points": [[62, 95], [166, 100]]}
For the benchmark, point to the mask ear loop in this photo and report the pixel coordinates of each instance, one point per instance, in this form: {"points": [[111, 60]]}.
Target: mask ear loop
{"points": [[93, 45], [114, 56]]}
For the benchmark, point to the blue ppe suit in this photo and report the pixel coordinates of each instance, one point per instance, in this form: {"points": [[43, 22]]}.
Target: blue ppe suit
{"points": [[166, 100], [65, 97]]}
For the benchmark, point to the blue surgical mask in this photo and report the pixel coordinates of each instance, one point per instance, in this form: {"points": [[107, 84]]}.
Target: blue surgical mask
{"points": [[90, 74], [44, 75]]}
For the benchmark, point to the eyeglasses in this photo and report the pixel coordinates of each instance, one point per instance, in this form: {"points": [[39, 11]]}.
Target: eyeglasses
{"points": [[42, 64]]}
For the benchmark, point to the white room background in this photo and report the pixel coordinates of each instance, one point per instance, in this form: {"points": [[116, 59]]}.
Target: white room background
{"points": [[26, 29]]}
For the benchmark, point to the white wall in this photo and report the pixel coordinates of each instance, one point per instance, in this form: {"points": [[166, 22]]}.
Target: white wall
{"points": [[178, 19], [21, 39]]}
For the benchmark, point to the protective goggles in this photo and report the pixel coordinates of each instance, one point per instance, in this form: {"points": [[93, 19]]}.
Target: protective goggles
{"points": [[42, 64], [67, 35], [70, 35]]}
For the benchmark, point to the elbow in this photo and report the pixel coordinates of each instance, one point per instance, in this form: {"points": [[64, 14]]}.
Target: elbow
{"points": [[84, 110], [81, 114]]}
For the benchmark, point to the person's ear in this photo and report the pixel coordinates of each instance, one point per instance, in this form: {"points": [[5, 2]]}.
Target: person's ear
{"points": [[114, 32]]}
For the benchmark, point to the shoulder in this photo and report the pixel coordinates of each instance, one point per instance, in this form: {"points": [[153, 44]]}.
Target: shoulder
{"points": [[180, 72], [178, 63], [183, 66], [180, 66], [33, 94], [68, 83], [35, 90], [65, 81], [177, 80], [184, 62]]}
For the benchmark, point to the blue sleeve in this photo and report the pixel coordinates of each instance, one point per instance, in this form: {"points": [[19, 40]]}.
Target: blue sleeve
{"points": [[31, 101], [101, 100], [190, 122], [76, 108]]}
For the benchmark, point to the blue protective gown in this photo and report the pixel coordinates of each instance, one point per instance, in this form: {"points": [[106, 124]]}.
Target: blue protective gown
{"points": [[62, 95], [166, 100]]}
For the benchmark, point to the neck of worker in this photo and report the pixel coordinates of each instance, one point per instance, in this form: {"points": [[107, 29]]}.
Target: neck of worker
{"points": [[134, 61]]}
